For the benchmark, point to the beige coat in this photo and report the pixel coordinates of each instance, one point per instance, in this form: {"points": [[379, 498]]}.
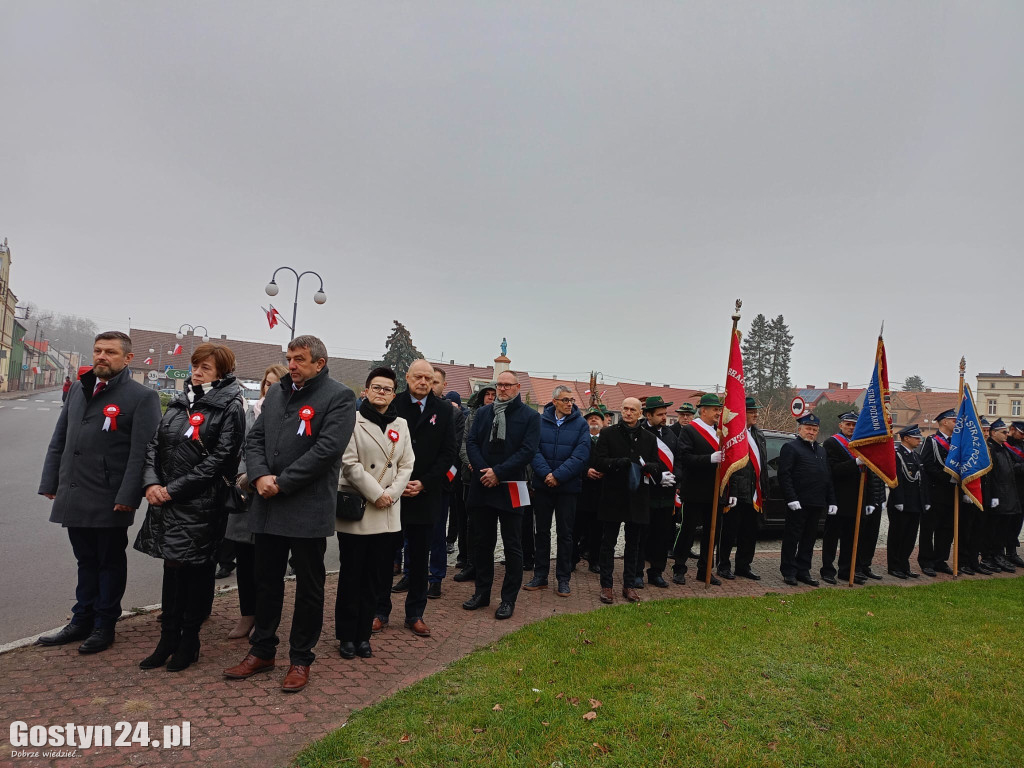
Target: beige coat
{"points": [[365, 457]]}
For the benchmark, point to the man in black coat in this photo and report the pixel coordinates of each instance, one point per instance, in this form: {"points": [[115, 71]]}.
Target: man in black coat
{"points": [[627, 455], [807, 488], [93, 473], [1000, 500], [846, 472], [293, 458], [937, 523], [686, 525], [432, 428], [906, 503], [501, 443], [747, 486], [657, 535], [1015, 445], [587, 531], [699, 457]]}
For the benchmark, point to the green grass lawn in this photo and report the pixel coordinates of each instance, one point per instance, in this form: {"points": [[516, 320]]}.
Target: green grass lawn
{"points": [[885, 676]]}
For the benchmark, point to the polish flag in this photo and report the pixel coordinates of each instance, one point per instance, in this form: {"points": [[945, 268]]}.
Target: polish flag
{"points": [[35, 369], [272, 315], [148, 361], [452, 472], [519, 494], [177, 349]]}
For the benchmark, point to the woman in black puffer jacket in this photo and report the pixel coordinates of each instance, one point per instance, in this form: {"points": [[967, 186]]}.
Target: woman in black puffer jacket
{"points": [[184, 477]]}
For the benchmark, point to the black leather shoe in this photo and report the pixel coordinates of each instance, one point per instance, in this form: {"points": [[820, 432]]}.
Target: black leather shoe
{"points": [[505, 610], [983, 569], [363, 650], [715, 581], [402, 585], [434, 590], [790, 581], [943, 568], [224, 571], [913, 575], [859, 578], [966, 570], [746, 573], [100, 639], [638, 582], [466, 574], [1016, 560], [872, 575], [807, 580], [829, 579], [70, 634], [898, 574], [725, 573], [678, 578], [348, 650], [928, 572], [594, 568], [658, 581], [477, 601]]}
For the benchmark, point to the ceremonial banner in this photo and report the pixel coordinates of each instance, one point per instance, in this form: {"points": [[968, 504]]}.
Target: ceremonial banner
{"points": [[872, 440], [968, 458], [732, 426]]}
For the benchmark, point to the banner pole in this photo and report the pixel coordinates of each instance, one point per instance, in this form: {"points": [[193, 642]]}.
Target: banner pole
{"points": [[856, 526], [718, 469], [956, 495]]}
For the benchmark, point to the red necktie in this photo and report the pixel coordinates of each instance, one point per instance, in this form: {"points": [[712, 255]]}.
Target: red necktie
{"points": [[99, 388]]}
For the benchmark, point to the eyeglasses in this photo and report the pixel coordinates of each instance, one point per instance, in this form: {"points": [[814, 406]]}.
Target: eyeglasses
{"points": [[566, 400], [508, 386], [381, 390]]}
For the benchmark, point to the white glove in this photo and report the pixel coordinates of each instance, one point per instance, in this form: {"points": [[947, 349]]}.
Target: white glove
{"points": [[927, 507], [716, 457], [967, 497], [899, 507], [860, 462], [868, 510], [667, 480], [732, 502], [832, 509], [794, 505], [995, 503]]}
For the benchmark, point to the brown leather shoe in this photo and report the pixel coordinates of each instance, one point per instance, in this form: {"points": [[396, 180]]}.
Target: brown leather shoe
{"points": [[418, 628], [606, 595], [250, 666], [630, 594], [377, 625], [296, 678]]}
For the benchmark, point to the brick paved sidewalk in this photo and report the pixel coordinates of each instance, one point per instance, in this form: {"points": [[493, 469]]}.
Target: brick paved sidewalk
{"points": [[251, 722]]}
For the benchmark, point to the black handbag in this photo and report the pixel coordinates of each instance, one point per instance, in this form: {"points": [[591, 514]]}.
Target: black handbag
{"points": [[235, 501], [351, 506]]}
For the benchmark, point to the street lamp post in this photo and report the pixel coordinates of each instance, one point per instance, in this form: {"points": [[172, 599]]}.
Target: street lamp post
{"points": [[319, 297], [192, 332]]}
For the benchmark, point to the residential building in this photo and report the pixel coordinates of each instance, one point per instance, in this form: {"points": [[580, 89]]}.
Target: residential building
{"points": [[1000, 395], [8, 304]]}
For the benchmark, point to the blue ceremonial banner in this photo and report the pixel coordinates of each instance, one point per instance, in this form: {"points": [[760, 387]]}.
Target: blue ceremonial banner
{"points": [[968, 458], [872, 440]]}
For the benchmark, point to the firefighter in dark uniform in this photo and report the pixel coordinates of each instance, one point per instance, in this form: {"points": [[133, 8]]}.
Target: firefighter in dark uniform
{"points": [[937, 523], [846, 471], [807, 488], [906, 503], [740, 524], [1015, 445], [1002, 503]]}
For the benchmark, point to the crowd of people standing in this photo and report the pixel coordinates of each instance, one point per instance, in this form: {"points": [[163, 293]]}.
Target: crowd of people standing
{"points": [[403, 476]]}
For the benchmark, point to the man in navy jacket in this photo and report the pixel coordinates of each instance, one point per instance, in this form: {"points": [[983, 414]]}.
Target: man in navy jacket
{"points": [[500, 444], [557, 468]]}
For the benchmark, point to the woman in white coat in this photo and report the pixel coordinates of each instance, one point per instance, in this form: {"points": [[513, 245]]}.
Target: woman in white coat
{"points": [[375, 470]]}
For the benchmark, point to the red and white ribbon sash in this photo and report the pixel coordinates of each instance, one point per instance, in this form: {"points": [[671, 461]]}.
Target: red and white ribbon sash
{"points": [[518, 493], [195, 421], [111, 412], [306, 414], [666, 456], [706, 432], [755, 460]]}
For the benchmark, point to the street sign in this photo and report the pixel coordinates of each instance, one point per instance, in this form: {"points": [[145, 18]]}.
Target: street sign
{"points": [[797, 407], [174, 373], [153, 375], [24, 367]]}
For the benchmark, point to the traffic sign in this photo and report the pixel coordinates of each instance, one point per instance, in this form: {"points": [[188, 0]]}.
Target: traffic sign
{"points": [[153, 375], [797, 407], [174, 373]]}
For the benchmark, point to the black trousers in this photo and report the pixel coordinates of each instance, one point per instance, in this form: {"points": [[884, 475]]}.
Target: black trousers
{"points": [[609, 538], [739, 530], [364, 575], [702, 511], [868, 543], [902, 536], [185, 592], [837, 546], [588, 535], [102, 575], [684, 539], [526, 536], [926, 543], [657, 541], [943, 521], [245, 576], [485, 523], [227, 552], [1013, 533], [798, 541], [563, 507], [307, 557], [418, 537]]}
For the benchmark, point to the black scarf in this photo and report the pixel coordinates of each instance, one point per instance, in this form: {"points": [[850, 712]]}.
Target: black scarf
{"points": [[380, 419]]}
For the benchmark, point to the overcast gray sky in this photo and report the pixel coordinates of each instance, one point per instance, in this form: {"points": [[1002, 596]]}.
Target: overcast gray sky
{"points": [[595, 181]]}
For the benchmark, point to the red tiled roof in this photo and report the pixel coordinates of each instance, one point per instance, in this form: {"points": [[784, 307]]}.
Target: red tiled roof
{"points": [[251, 358], [921, 407], [840, 395], [673, 395]]}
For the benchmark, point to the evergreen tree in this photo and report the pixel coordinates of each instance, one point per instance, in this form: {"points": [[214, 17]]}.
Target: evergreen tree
{"points": [[781, 345], [401, 352], [913, 384], [755, 356]]}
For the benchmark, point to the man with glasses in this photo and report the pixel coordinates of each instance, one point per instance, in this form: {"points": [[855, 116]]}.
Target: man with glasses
{"points": [[557, 468], [501, 443]]}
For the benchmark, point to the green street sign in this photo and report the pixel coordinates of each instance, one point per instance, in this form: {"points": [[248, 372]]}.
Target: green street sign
{"points": [[173, 373]]}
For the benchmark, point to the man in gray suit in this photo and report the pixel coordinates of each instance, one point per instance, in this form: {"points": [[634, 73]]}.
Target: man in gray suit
{"points": [[293, 457], [93, 474]]}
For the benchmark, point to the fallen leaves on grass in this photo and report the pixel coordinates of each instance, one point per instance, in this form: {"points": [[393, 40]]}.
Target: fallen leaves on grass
{"points": [[587, 641], [700, 696], [575, 701], [870, 613], [479, 730], [603, 748], [364, 761], [560, 695], [590, 715], [404, 739], [594, 703], [496, 708]]}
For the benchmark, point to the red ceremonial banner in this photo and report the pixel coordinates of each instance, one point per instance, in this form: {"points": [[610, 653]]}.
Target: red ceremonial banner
{"points": [[732, 427]]}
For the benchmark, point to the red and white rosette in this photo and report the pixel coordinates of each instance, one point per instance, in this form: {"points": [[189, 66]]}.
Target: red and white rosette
{"points": [[393, 435], [195, 421], [110, 422], [306, 414]]}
